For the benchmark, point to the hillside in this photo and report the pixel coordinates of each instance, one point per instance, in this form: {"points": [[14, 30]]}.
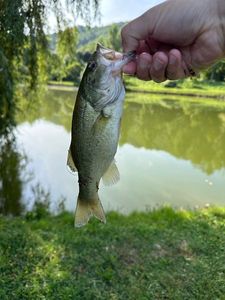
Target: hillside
{"points": [[88, 37]]}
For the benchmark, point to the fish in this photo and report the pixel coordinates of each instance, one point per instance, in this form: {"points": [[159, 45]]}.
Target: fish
{"points": [[95, 129]]}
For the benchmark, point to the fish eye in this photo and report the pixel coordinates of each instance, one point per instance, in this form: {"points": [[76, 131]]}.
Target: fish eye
{"points": [[92, 65]]}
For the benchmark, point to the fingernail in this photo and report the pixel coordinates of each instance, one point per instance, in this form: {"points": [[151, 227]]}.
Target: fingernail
{"points": [[158, 64], [173, 60]]}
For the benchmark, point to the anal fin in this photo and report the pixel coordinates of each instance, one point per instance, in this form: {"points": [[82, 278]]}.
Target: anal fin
{"points": [[112, 175], [70, 162]]}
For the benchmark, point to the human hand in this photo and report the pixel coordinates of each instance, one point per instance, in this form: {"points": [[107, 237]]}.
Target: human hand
{"points": [[175, 39]]}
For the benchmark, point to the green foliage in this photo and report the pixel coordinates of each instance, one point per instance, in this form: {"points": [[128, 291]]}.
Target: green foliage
{"points": [[41, 204], [73, 71], [63, 63], [216, 72], [162, 254], [54, 69], [6, 94], [114, 38], [88, 37], [188, 87], [24, 47], [66, 43], [12, 178]]}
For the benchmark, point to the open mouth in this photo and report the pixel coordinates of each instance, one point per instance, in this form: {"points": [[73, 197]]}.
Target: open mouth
{"points": [[116, 59], [110, 54], [107, 53]]}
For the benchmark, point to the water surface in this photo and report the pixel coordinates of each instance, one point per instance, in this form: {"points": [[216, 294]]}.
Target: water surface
{"points": [[170, 152]]}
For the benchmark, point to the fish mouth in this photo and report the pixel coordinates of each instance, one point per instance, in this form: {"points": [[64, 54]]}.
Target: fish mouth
{"points": [[106, 53], [130, 55], [119, 63], [115, 60]]}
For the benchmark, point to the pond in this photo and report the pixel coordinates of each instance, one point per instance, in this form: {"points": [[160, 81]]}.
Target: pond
{"points": [[171, 151]]}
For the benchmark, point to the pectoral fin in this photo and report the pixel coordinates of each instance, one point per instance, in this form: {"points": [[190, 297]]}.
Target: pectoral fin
{"points": [[112, 175], [70, 162], [106, 112], [99, 124]]}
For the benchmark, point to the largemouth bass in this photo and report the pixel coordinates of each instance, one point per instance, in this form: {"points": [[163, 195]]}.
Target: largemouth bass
{"points": [[95, 130]]}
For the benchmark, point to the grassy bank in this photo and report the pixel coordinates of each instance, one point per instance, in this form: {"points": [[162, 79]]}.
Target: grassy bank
{"points": [[157, 255], [188, 87], [62, 85]]}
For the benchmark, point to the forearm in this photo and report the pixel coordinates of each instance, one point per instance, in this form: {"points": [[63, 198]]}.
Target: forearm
{"points": [[221, 20]]}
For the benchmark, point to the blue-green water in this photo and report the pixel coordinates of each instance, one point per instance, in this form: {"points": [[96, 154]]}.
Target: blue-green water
{"points": [[170, 152]]}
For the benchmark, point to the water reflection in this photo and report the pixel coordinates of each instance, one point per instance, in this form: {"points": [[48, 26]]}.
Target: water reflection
{"points": [[46, 145], [195, 133], [170, 152], [54, 106], [191, 131], [12, 165]]}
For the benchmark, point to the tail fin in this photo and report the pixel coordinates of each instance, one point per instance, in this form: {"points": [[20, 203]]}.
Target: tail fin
{"points": [[86, 209]]}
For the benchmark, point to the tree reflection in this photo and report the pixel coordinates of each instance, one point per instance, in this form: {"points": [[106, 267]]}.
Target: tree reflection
{"points": [[12, 164], [55, 106], [187, 130], [190, 132]]}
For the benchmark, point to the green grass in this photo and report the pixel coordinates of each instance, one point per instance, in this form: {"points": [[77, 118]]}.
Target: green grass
{"points": [[186, 87], [156, 255], [168, 100], [61, 83]]}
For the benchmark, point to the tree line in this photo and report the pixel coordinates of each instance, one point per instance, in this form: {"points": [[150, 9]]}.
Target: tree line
{"points": [[24, 48]]}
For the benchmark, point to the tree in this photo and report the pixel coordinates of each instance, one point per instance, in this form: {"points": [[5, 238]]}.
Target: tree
{"points": [[114, 37], [12, 176], [66, 50], [22, 24], [216, 72]]}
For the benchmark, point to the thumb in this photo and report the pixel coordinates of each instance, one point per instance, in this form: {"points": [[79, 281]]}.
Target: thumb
{"points": [[137, 30]]}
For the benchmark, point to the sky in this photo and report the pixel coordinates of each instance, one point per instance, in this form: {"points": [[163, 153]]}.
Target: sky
{"points": [[120, 10], [112, 11]]}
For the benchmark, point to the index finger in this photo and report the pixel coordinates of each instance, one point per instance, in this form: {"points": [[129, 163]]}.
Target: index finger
{"points": [[133, 32]]}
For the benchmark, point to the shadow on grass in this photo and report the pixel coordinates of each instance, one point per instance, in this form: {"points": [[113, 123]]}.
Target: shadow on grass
{"points": [[157, 255]]}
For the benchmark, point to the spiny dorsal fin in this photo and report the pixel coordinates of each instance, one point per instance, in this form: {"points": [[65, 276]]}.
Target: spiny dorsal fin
{"points": [[70, 162], [112, 175]]}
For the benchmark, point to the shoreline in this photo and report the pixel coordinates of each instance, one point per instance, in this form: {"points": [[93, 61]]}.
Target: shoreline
{"points": [[132, 86], [218, 97]]}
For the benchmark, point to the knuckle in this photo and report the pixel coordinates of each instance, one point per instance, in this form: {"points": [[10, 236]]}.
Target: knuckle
{"points": [[141, 74], [158, 76], [144, 77], [171, 72], [158, 80], [172, 75]]}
